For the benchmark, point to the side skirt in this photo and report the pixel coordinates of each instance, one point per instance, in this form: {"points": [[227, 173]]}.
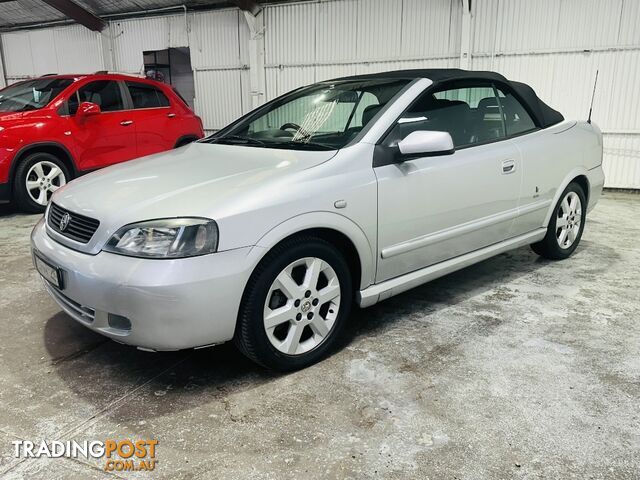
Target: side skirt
{"points": [[381, 291]]}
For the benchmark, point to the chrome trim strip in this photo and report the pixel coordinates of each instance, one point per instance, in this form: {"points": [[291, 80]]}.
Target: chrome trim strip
{"points": [[381, 291], [463, 229]]}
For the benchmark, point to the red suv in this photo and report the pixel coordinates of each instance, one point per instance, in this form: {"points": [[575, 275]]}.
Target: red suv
{"points": [[57, 127]]}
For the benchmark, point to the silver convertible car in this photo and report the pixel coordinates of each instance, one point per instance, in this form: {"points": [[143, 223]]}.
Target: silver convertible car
{"points": [[347, 191]]}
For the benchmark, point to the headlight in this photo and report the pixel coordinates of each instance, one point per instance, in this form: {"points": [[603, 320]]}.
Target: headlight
{"points": [[166, 238]]}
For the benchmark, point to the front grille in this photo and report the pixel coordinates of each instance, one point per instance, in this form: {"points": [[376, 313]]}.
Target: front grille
{"points": [[79, 228]]}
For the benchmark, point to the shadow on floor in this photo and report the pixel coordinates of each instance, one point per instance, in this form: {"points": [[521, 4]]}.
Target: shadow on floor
{"points": [[7, 209], [188, 378]]}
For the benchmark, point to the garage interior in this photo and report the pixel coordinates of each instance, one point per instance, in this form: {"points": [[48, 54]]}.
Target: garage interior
{"points": [[517, 367]]}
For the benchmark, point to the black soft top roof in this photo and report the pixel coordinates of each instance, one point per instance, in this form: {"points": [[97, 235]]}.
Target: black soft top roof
{"points": [[543, 114]]}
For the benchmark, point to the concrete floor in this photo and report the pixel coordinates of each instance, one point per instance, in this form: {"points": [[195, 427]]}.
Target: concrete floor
{"points": [[514, 368]]}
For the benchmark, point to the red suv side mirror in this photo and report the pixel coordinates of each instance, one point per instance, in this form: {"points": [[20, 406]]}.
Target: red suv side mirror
{"points": [[87, 109]]}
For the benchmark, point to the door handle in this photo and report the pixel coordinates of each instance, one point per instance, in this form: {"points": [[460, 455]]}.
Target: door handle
{"points": [[126, 123], [171, 115], [508, 166]]}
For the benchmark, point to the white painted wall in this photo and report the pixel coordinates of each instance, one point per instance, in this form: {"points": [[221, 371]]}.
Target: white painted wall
{"points": [[554, 45]]}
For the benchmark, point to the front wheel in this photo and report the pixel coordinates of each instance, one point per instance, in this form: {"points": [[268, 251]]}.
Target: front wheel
{"points": [[295, 304], [37, 177], [565, 225]]}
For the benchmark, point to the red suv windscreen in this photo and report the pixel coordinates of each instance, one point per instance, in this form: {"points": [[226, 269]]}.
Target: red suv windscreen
{"points": [[32, 94]]}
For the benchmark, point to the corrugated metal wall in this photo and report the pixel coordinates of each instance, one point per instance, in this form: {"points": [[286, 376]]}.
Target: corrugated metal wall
{"points": [[72, 49], [313, 41], [217, 42], [554, 45]]}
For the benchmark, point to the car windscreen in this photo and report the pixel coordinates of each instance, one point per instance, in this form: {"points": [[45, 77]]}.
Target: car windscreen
{"points": [[32, 94], [324, 116]]}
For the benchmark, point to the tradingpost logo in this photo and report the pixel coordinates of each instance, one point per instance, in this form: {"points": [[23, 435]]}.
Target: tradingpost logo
{"points": [[119, 455]]}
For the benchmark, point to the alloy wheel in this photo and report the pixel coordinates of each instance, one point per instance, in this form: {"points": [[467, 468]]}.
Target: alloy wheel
{"points": [[302, 306], [569, 220], [44, 178]]}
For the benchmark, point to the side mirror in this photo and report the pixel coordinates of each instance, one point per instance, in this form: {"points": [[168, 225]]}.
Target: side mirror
{"points": [[426, 143], [88, 109]]}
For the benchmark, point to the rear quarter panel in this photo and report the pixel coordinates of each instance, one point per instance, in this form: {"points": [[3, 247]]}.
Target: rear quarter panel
{"points": [[551, 159]]}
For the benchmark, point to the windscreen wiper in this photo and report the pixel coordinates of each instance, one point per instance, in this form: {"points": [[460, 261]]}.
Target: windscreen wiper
{"points": [[304, 145], [238, 140]]}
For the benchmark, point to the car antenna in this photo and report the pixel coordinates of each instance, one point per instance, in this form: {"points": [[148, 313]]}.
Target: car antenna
{"points": [[593, 95]]}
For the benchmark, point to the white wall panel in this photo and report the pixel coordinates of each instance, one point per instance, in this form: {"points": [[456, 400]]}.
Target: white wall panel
{"points": [[629, 33], [592, 23], [290, 33], [44, 54], [483, 26], [622, 161], [313, 41], [379, 29], [556, 47], [218, 97], [17, 55], [337, 35], [69, 49], [215, 39], [430, 28], [525, 25], [77, 50]]}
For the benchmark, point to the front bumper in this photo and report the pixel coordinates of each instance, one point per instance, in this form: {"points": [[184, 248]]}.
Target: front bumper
{"points": [[171, 304]]}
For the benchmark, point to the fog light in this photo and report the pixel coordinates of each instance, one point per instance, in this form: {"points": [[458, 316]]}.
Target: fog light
{"points": [[119, 322]]}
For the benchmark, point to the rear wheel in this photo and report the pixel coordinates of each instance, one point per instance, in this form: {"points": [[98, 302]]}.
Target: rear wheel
{"points": [[295, 305], [565, 226]]}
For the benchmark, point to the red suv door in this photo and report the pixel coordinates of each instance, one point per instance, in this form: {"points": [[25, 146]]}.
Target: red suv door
{"points": [[104, 138], [156, 119]]}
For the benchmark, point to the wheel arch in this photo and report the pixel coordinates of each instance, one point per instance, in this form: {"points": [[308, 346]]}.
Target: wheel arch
{"points": [[579, 175], [336, 229], [52, 148], [584, 183]]}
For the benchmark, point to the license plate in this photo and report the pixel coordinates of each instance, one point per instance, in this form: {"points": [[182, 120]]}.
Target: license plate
{"points": [[50, 273]]}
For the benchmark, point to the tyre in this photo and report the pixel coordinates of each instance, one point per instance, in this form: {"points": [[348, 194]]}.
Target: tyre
{"points": [[37, 177], [565, 226], [295, 305]]}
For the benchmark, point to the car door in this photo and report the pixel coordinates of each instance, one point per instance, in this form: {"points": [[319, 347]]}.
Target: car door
{"points": [[104, 138], [433, 208], [154, 117], [541, 172]]}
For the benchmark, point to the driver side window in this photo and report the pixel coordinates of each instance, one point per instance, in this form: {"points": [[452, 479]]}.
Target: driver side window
{"points": [[471, 115], [104, 93]]}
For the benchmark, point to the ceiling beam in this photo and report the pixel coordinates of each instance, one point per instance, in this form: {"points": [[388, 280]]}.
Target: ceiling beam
{"points": [[248, 6], [78, 14]]}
